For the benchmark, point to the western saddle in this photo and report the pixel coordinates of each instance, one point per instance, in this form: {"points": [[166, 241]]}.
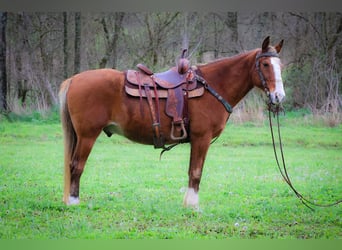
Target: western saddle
{"points": [[175, 85]]}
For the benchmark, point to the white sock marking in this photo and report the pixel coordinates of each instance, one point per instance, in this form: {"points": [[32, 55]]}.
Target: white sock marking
{"points": [[73, 200], [191, 199]]}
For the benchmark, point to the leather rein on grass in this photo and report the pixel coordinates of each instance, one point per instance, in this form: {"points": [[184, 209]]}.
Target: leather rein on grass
{"points": [[275, 109]]}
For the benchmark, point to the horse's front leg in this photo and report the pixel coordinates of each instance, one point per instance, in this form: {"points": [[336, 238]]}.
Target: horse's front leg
{"points": [[199, 149]]}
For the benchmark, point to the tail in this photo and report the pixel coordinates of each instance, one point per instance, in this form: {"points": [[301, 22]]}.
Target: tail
{"points": [[70, 137]]}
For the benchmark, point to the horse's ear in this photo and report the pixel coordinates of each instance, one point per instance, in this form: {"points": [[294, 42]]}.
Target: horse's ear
{"points": [[265, 44], [279, 46]]}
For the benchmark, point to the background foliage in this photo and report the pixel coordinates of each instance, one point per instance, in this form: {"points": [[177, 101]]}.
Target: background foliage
{"points": [[42, 49]]}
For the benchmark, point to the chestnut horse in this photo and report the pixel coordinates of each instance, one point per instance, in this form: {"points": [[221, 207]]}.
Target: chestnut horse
{"points": [[92, 100]]}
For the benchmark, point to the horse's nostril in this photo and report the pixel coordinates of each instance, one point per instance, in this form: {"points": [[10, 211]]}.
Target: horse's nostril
{"points": [[277, 97]]}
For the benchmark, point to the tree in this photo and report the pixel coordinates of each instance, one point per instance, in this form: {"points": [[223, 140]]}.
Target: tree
{"points": [[38, 50], [65, 44], [158, 26], [230, 20], [316, 71], [111, 38], [3, 72], [77, 62]]}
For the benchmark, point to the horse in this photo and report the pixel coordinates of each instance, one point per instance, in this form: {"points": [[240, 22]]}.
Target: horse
{"points": [[95, 99]]}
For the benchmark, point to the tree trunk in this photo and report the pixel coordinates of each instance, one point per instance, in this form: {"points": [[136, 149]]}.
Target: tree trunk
{"points": [[117, 31], [111, 40], [232, 24], [3, 75], [77, 62], [65, 44]]}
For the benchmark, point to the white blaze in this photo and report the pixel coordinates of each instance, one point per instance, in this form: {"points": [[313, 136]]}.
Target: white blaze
{"points": [[279, 88]]}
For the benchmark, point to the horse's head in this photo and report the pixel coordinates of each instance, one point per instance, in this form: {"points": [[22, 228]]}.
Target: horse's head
{"points": [[268, 66]]}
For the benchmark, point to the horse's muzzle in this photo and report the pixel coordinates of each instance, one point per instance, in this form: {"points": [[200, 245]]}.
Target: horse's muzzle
{"points": [[277, 97]]}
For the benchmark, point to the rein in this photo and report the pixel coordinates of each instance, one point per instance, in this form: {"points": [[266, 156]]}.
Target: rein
{"points": [[275, 109]]}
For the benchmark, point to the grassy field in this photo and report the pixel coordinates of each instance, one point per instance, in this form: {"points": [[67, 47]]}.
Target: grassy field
{"points": [[126, 192]]}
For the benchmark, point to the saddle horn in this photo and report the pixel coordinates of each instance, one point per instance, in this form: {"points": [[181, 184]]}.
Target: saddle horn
{"points": [[183, 64]]}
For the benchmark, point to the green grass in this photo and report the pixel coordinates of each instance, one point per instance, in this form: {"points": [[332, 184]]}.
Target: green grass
{"points": [[126, 192]]}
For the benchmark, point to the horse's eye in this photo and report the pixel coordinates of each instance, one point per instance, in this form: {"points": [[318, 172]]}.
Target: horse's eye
{"points": [[265, 64]]}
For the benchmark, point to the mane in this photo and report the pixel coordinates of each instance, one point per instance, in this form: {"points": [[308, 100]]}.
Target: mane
{"points": [[230, 58]]}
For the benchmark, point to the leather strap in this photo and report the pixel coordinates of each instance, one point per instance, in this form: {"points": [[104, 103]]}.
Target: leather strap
{"points": [[140, 94], [257, 66], [155, 122], [226, 104], [157, 138]]}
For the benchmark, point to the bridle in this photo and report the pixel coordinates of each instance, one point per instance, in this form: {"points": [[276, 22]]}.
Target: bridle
{"points": [[261, 76]]}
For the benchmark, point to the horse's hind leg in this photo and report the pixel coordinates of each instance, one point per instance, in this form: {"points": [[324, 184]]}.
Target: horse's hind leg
{"points": [[78, 161]]}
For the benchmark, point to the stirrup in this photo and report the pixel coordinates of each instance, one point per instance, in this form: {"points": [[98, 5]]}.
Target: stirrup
{"points": [[176, 138]]}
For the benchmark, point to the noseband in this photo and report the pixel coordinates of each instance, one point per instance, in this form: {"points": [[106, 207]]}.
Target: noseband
{"points": [[257, 66]]}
